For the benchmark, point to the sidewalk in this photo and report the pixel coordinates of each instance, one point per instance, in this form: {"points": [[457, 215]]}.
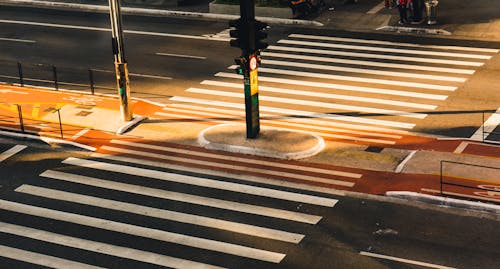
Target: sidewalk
{"points": [[92, 121]]}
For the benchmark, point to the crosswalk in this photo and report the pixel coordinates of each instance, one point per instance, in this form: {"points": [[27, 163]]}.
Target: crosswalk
{"points": [[347, 89], [119, 209]]}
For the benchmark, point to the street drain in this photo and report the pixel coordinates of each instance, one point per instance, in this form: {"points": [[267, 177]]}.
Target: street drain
{"points": [[374, 149], [83, 113]]}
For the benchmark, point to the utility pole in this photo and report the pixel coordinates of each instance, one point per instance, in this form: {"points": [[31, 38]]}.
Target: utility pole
{"points": [[249, 37], [121, 68]]}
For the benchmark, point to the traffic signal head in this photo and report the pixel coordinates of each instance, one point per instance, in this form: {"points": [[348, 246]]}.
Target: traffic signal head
{"points": [[242, 65], [239, 34], [260, 35]]}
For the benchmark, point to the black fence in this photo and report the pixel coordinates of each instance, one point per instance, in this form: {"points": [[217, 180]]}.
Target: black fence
{"points": [[472, 181], [55, 77]]}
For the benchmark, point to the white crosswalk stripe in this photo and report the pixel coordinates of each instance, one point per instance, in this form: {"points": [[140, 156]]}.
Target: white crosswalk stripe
{"points": [[89, 245], [52, 204], [384, 84]]}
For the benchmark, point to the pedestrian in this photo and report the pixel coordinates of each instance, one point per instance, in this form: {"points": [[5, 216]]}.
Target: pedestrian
{"points": [[388, 4], [403, 17]]}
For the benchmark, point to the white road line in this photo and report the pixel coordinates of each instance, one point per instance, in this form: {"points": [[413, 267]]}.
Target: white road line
{"points": [[461, 147], [363, 71], [391, 258], [390, 43], [17, 40], [282, 124], [391, 50], [79, 134], [384, 132], [314, 103], [374, 56], [67, 26], [400, 167], [374, 10], [324, 95], [488, 126], [11, 152], [368, 63], [149, 76], [98, 247], [175, 238], [163, 214], [181, 56], [355, 79], [377, 91], [181, 197], [320, 126], [204, 182], [292, 112], [245, 169], [247, 178], [41, 259]]}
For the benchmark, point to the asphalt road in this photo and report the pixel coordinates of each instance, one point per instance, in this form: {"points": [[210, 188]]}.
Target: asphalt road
{"points": [[171, 57], [45, 207]]}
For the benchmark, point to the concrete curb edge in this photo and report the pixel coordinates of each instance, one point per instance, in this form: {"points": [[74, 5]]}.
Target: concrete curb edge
{"points": [[259, 152], [47, 140], [149, 12], [445, 201]]}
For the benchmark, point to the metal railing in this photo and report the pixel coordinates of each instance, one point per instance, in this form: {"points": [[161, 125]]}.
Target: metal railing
{"points": [[29, 125], [486, 134], [479, 182], [37, 74]]}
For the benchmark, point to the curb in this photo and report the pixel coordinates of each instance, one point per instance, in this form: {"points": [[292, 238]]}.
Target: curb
{"points": [[260, 152], [47, 140], [445, 201], [149, 12]]}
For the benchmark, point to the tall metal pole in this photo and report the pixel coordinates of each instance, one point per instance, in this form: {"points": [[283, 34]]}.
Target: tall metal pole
{"points": [[247, 14], [121, 69]]}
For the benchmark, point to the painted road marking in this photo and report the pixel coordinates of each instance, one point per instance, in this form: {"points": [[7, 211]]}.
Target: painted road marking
{"points": [[314, 103], [203, 182], [163, 214], [324, 95], [391, 50], [321, 128], [385, 132], [375, 56], [478, 197], [67, 26], [293, 112], [390, 43], [236, 167], [355, 79], [461, 147], [488, 126], [11, 152], [391, 258], [181, 56], [155, 234], [98, 247], [368, 63], [181, 197], [11, 91], [41, 259], [281, 124], [363, 71], [376, 8], [17, 40], [79, 134], [377, 91], [248, 178], [400, 167]]}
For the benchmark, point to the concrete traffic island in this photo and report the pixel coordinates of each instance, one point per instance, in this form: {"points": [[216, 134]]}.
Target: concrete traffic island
{"points": [[272, 142]]}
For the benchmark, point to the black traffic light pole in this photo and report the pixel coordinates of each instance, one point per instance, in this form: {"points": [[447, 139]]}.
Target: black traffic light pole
{"points": [[249, 37]]}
